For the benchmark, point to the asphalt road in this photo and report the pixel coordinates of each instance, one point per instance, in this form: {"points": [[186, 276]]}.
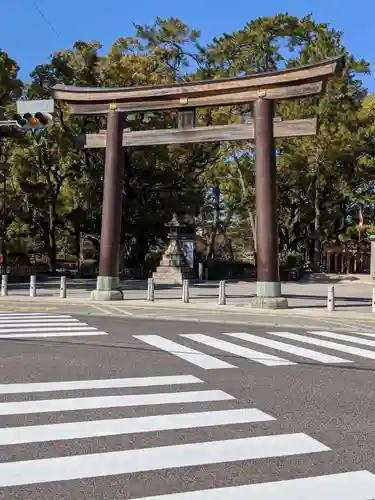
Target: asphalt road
{"points": [[117, 408]]}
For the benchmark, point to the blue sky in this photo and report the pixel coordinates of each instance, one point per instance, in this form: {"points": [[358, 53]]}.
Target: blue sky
{"points": [[29, 39]]}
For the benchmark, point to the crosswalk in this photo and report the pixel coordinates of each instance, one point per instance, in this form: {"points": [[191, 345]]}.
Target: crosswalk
{"points": [[288, 349], [184, 451], [43, 325]]}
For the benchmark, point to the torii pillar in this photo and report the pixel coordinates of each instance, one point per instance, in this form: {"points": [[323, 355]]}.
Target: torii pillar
{"points": [[108, 283], [268, 279]]}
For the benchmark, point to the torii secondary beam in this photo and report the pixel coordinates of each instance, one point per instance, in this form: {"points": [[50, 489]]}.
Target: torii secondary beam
{"points": [[235, 132]]}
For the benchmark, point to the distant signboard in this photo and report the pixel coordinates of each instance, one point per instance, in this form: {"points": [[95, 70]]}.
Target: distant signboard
{"points": [[37, 106], [188, 250]]}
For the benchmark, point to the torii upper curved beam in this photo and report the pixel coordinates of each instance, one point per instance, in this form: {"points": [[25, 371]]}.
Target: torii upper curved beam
{"points": [[299, 81]]}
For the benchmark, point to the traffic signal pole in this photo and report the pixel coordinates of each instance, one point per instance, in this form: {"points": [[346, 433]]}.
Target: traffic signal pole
{"points": [[3, 219]]}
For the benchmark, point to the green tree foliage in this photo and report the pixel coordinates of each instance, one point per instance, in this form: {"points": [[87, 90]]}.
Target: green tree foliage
{"points": [[10, 85], [57, 189]]}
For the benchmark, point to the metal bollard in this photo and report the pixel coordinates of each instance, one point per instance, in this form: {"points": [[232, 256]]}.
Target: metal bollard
{"points": [[331, 299], [373, 300], [63, 287], [150, 290], [185, 291], [4, 285], [32, 286], [222, 297]]}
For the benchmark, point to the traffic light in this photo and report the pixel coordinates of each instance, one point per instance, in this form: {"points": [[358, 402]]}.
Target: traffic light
{"points": [[34, 122], [21, 120]]}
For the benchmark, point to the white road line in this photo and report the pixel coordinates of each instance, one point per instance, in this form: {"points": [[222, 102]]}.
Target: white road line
{"points": [[8, 315], [342, 486], [291, 349], [347, 338], [25, 321], [121, 310], [22, 321], [112, 383], [356, 351], [157, 458], [4, 327], [81, 430], [370, 334], [41, 321], [244, 352], [73, 404], [191, 355], [101, 309], [52, 334], [48, 329]]}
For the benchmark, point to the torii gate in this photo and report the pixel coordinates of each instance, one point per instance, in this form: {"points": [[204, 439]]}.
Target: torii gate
{"points": [[261, 89]]}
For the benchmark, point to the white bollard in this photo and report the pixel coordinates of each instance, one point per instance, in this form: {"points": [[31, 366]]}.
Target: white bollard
{"points": [[185, 291], [331, 299], [373, 300], [222, 297], [63, 287], [150, 290], [32, 286], [4, 285]]}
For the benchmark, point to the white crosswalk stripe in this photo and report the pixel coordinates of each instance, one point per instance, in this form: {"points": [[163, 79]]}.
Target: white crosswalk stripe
{"points": [[291, 349], [356, 351], [345, 338], [343, 486], [76, 385], [193, 356], [129, 459], [244, 352], [43, 325], [74, 404], [80, 430], [158, 458], [294, 352]]}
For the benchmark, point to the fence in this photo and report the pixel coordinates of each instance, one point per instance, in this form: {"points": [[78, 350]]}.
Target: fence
{"points": [[346, 258]]}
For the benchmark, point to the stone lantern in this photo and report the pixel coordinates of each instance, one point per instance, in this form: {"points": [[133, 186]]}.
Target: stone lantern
{"points": [[174, 267]]}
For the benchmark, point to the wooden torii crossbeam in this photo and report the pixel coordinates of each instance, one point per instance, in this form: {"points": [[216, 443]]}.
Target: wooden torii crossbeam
{"points": [[235, 132], [260, 89]]}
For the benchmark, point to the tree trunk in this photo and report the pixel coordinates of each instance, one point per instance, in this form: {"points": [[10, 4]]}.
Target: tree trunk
{"points": [[251, 218], [252, 237], [52, 250], [77, 236], [215, 226], [317, 224], [80, 246], [307, 247], [122, 251]]}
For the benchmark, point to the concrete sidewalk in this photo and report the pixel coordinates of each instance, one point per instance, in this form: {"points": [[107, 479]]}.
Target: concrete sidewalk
{"points": [[352, 293]]}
